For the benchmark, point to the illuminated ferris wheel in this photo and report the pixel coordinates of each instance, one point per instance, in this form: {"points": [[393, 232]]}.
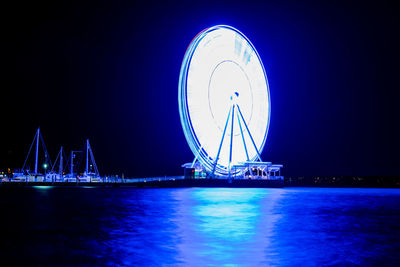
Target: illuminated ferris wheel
{"points": [[224, 100]]}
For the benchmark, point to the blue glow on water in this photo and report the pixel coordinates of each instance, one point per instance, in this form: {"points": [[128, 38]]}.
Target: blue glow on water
{"points": [[42, 187], [200, 226], [227, 221]]}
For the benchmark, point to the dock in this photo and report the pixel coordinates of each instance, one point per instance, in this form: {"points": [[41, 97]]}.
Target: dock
{"points": [[157, 182]]}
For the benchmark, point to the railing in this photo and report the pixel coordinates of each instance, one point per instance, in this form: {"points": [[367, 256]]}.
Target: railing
{"points": [[107, 179], [151, 179]]}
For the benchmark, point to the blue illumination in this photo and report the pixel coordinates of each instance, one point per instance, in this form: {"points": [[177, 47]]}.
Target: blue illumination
{"points": [[221, 69], [226, 224], [42, 187], [202, 226]]}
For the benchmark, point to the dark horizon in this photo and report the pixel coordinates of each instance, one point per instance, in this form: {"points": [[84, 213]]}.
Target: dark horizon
{"points": [[110, 73]]}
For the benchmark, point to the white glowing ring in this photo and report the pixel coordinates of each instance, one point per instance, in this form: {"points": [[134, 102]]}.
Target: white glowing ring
{"points": [[220, 63]]}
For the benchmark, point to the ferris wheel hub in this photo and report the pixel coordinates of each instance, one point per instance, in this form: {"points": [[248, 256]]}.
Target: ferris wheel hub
{"points": [[234, 98]]}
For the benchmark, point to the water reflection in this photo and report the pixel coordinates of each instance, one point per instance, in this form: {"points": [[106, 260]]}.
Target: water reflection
{"points": [[200, 226], [229, 226]]}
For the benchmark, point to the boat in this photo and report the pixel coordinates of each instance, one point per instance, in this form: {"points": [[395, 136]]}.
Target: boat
{"points": [[25, 175], [54, 176], [91, 174]]}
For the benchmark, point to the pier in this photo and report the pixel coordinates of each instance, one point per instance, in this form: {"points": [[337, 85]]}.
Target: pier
{"points": [[165, 181]]}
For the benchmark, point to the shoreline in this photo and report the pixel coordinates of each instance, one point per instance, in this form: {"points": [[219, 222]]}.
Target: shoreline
{"points": [[238, 183]]}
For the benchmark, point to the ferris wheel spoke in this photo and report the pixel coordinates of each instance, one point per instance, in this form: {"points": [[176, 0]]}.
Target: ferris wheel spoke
{"points": [[230, 147], [222, 140], [248, 131], [241, 133]]}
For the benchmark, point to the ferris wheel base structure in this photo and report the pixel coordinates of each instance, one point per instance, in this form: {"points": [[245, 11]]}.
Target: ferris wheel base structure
{"points": [[224, 106], [255, 170]]}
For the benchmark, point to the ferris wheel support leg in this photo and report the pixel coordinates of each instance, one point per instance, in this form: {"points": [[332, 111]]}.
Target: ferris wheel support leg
{"points": [[194, 161], [196, 157], [241, 132], [230, 147], [248, 131], [222, 140]]}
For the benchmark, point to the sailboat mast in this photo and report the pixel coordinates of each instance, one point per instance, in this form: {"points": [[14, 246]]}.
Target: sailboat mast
{"points": [[37, 150], [87, 156], [72, 164], [61, 161]]}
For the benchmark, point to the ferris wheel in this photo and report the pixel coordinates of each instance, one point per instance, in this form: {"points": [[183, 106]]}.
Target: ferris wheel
{"points": [[224, 100]]}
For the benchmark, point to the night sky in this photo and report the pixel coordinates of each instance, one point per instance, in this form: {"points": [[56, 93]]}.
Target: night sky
{"points": [[109, 72]]}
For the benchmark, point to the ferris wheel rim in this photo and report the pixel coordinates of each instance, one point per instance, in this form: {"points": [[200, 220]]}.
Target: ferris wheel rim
{"points": [[186, 120]]}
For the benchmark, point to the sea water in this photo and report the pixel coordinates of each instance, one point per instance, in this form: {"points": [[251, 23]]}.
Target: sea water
{"points": [[199, 226]]}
